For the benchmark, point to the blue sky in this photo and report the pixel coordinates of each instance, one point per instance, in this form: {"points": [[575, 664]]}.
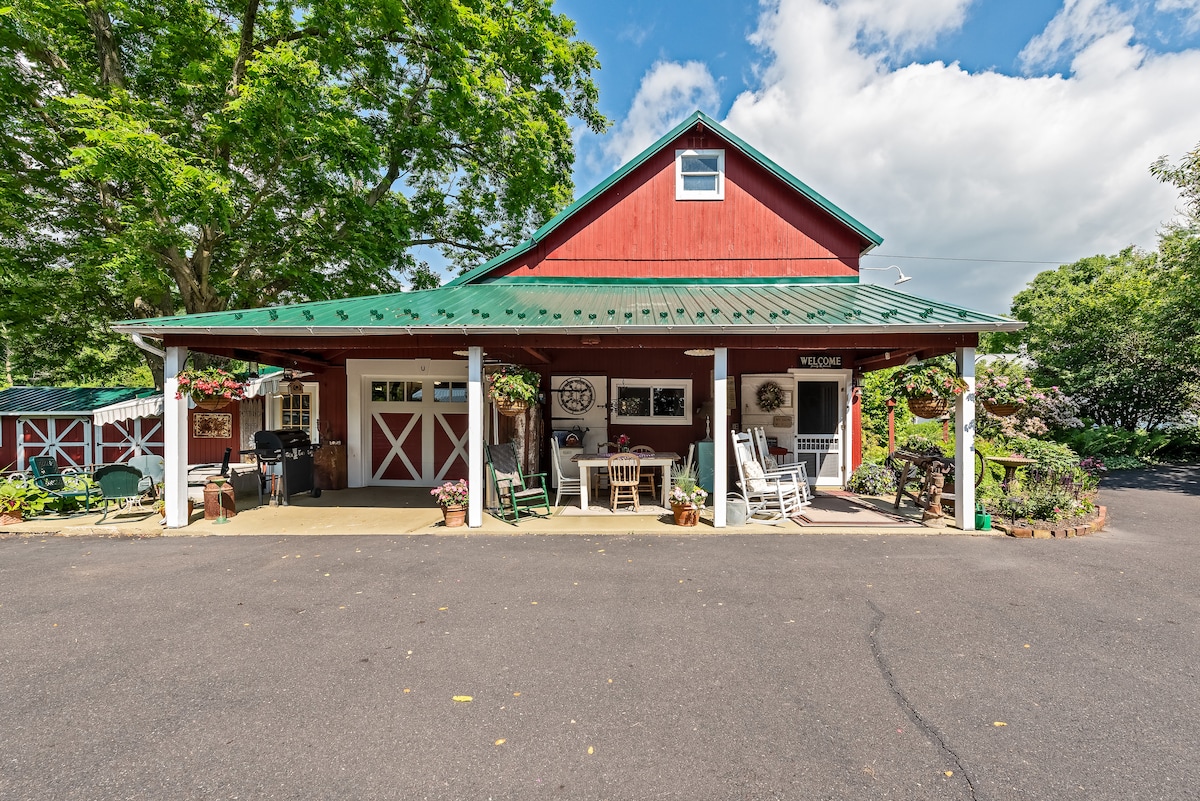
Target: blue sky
{"points": [[978, 137]]}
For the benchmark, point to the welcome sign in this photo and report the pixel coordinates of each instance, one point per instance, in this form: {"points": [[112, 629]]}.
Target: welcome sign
{"points": [[820, 362]]}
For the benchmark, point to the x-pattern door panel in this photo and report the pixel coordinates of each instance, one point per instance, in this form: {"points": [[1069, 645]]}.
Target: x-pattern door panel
{"points": [[417, 430]]}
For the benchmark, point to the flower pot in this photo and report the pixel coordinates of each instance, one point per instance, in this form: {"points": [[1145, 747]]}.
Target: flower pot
{"points": [[928, 407], [213, 404], [511, 408], [685, 514], [454, 516], [1001, 409], [9, 518]]}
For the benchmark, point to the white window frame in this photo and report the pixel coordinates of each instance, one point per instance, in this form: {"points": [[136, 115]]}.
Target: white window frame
{"points": [[311, 388], [652, 383], [700, 194]]}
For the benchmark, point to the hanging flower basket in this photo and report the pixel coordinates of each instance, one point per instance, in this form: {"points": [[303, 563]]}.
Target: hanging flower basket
{"points": [[514, 388], [1001, 409], [210, 388], [510, 407], [928, 407]]}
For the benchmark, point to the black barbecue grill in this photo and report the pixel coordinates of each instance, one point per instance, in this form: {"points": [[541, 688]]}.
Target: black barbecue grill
{"points": [[292, 450]]}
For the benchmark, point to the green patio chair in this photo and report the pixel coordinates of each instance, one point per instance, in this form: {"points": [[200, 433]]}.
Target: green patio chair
{"points": [[60, 486], [513, 494], [119, 484]]}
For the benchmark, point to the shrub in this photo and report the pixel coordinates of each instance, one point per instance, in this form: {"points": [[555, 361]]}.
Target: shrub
{"points": [[873, 479]]}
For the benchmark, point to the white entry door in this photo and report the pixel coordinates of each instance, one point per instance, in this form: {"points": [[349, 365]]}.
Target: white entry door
{"points": [[822, 415]]}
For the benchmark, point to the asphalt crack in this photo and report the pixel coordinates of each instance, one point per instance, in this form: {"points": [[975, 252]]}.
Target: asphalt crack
{"points": [[889, 678]]}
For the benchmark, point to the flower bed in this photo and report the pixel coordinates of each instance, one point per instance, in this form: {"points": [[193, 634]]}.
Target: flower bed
{"points": [[1060, 529]]}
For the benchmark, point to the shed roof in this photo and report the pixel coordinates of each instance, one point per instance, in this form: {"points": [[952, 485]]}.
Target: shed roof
{"points": [[64, 401], [647, 306]]}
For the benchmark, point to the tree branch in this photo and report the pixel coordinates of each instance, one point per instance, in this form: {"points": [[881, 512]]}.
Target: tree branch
{"points": [[112, 74]]}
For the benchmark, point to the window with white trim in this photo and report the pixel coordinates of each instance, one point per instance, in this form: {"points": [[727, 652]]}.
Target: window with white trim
{"points": [[297, 410], [699, 174], [652, 401]]}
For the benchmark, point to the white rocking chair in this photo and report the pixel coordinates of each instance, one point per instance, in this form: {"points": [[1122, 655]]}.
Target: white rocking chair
{"points": [[772, 467], [770, 499]]}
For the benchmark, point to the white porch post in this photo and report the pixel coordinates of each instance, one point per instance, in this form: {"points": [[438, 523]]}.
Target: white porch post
{"points": [[475, 436], [964, 444], [175, 440], [720, 429]]}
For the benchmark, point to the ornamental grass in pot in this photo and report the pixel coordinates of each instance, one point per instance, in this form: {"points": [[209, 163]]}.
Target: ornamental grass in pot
{"points": [[687, 497]]}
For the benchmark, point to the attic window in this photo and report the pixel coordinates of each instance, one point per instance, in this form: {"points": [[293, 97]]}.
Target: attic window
{"points": [[699, 174]]}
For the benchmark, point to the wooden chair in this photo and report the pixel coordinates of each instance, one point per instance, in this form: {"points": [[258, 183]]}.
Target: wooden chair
{"points": [[647, 483], [513, 493], [602, 477], [62, 486], [567, 485], [624, 475]]}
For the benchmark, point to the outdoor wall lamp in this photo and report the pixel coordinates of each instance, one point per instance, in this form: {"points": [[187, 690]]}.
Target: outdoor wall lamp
{"points": [[895, 267]]}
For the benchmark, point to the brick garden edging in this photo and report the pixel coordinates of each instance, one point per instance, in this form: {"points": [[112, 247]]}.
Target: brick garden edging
{"points": [[1057, 533]]}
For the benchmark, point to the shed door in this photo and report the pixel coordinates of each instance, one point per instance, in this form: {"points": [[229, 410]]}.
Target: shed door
{"points": [[67, 439], [416, 430]]}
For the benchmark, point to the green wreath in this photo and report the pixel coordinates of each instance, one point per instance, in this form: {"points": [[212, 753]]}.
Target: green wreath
{"points": [[770, 396]]}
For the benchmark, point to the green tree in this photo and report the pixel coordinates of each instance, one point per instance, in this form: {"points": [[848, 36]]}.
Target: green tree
{"points": [[168, 156], [1097, 329]]}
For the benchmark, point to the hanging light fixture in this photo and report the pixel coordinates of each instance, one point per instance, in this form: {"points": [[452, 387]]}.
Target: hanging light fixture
{"points": [[902, 279]]}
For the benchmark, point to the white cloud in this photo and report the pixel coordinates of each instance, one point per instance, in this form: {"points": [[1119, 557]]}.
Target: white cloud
{"points": [[668, 93], [1078, 24], [1190, 9], [902, 24], [942, 162]]}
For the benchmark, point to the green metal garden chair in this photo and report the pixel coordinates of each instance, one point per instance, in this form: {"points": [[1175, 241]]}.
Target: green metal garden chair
{"points": [[119, 484], [513, 493], [62, 487]]}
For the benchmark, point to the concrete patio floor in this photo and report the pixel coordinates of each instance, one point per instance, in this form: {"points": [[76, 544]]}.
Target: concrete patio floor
{"points": [[405, 511]]}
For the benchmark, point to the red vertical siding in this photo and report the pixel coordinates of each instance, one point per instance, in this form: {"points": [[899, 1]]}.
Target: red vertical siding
{"points": [[212, 451], [762, 227], [8, 443]]}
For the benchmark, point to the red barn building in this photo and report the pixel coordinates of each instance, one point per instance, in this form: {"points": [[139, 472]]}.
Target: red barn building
{"points": [[656, 305]]}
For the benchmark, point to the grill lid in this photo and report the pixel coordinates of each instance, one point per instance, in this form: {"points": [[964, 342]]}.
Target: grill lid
{"points": [[282, 439]]}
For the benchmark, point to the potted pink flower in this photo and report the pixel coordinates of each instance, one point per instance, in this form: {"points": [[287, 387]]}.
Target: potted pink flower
{"points": [[452, 496]]}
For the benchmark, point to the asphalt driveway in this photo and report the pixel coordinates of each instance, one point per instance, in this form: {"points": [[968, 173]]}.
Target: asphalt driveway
{"points": [[765, 666]]}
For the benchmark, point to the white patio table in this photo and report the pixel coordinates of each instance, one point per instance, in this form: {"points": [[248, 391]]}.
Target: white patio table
{"points": [[587, 461]]}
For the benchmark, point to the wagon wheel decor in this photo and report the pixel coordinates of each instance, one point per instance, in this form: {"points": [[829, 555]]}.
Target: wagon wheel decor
{"points": [[769, 396]]}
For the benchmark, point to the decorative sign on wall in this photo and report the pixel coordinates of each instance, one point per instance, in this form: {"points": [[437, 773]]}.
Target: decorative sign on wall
{"points": [[212, 425], [820, 362]]}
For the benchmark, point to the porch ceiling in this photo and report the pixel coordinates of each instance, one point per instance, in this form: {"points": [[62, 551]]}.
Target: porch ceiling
{"points": [[630, 307]]}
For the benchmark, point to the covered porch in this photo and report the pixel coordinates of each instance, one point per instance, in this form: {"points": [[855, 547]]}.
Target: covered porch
{"points": [[707, 340]]}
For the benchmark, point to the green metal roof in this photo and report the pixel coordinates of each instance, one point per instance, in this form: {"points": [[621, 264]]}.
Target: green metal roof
{"points": [[650, 306], [64, 400], [697, 117]]}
